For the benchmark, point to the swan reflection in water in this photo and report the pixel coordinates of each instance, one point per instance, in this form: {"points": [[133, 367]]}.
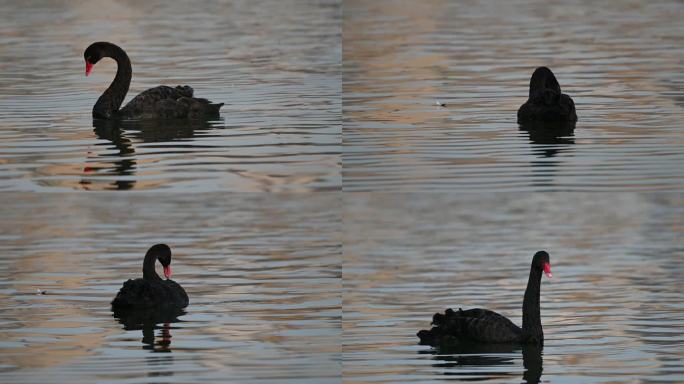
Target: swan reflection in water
{"points": [[148, 321], [118, 169], [549, 138], [463, 355]]}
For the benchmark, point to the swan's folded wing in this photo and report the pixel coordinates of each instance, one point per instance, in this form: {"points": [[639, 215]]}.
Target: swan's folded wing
{"points": [[485, 325], [146, 102], [137, 293], [475, 324], [176, 294], [164, 102]]}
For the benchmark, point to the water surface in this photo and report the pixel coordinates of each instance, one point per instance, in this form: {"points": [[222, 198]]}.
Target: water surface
{"points": [[275, 65], [612, 313], [263, 273], [622, 64]]}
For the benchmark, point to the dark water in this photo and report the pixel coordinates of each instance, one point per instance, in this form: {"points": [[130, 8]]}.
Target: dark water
{"points": [[612, 313], [263, 277], [621, 63], [275, 64]]}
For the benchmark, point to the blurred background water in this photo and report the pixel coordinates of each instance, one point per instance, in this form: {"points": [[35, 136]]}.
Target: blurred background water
{"points": [[621, 62], [275, 64], [263, 273], [612, 313]]}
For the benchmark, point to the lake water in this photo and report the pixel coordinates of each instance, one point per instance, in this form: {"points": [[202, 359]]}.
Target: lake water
{"points": [[408, 107], [275, 64], [622, 64], [612, 313], [263, 276]]}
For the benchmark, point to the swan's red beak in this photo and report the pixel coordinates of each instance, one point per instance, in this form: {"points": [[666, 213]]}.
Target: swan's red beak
{"points": [[89, 67], [167, 271], [547, 270]]}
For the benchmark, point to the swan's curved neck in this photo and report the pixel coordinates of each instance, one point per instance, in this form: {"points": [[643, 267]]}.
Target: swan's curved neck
{"points": [[112, 98], [148, 267], [532, 327]]}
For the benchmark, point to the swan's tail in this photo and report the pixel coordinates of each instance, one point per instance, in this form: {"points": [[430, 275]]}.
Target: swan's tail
{"points": [[445, 326]]}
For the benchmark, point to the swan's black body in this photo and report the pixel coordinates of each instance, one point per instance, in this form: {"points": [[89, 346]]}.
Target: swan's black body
{"points": [[161, 102], [546, 103], [485, 326], [150, 290]]}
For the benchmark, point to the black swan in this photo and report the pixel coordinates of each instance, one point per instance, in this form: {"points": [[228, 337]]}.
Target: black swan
{"points": [[161, 102], [151, 290], [546, 103], [479, 325]]}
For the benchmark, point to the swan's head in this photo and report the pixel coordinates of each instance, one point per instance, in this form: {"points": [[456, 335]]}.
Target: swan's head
{"points": [[163, 254], [543, 78], [93, 54], [541, 261]]}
